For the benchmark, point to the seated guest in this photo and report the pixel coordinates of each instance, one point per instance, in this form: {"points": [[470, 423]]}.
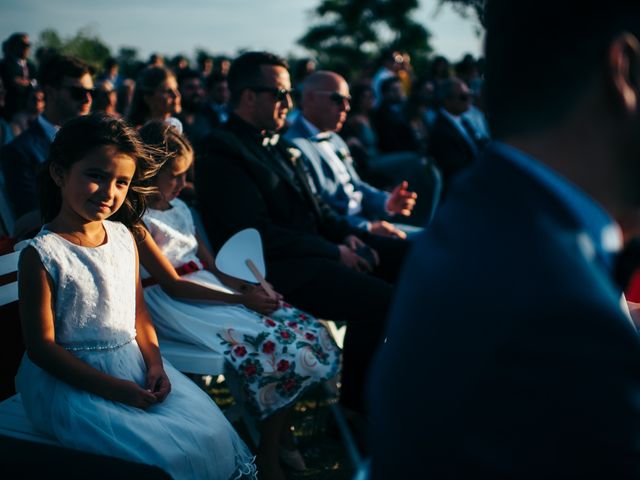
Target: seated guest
{"points": [[217, 92], [324, 107], [525, 363], [6, 132], [156, 97], [194, 122], [205, 308], [391, 64], [110, 73], [26, 117], [395, 133], [17, 72], [249, 177], [105, 99], [384, 170], [68, 89], [454, 142]]}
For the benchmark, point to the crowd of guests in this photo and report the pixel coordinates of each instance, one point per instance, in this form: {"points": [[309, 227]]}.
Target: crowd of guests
{"points": [[356, 186], [395, 125], [500, 346], [337, 185]]}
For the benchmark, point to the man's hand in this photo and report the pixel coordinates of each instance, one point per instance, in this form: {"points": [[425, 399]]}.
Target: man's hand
{"points": [[386, 229], [401, 200], [350, 257], [352, 260]]}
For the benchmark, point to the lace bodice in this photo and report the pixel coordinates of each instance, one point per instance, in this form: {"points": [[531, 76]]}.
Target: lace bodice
{"points": [[174, 232], [94, 288]]}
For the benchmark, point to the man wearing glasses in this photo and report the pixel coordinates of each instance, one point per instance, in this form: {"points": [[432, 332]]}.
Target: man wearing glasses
{"points": [[249, 177], [325, 104], [455, 142], [68, 89]]}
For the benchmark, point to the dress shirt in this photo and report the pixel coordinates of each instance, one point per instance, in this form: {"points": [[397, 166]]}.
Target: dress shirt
{"points": [[49, 128], [337, 165]]}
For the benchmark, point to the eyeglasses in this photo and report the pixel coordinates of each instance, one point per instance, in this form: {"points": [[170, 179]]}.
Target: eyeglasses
{"points": [[79, 93], [280, 94], [336, 97]]}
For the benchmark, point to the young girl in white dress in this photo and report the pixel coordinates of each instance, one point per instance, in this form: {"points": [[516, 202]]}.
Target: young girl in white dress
{"points": [[278, 352], [92, 376]]}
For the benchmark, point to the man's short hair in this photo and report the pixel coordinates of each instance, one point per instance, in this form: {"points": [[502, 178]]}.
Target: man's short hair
{"points": [[245, 71], [187, 74], [214, 79], [542, 54], [56, 67], [387, 83], [446, 88]]}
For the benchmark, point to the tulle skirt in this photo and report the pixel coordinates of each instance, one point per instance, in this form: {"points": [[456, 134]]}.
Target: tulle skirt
{"points": [[186, 435]]}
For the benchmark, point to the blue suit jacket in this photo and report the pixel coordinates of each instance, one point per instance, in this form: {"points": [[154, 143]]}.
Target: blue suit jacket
{"points": [[326, 180], [508, 354], [21, 160]]}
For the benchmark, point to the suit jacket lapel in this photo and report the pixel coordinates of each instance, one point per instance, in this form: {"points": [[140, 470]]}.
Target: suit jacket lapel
{"points": [[454, 131]]}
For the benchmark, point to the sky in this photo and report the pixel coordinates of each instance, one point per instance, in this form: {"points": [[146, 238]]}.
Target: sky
{"points": [[218, 26]]}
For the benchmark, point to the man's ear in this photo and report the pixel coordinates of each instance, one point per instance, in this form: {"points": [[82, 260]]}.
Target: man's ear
{"points": [[248, 97], [624, 70]]}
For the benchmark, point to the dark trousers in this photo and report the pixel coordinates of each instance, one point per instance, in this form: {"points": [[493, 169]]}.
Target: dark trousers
{"points": [[339, 293]]}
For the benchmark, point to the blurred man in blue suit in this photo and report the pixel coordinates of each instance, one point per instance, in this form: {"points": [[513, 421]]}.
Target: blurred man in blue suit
{"points": [[509, 353]]}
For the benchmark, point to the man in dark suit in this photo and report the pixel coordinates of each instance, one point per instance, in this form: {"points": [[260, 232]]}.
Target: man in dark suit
{"points": [[248, 177], [511, 356], [17, 72], [454, 143], [68, 87]]}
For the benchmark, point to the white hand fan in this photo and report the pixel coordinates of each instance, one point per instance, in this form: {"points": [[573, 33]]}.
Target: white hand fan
{"points": [[241, 257]]}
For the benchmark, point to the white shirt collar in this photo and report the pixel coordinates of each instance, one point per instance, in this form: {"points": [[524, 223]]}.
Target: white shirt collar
{"points": [[310, 126]]}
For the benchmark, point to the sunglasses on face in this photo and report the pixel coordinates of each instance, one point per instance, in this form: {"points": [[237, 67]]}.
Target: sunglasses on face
{"points": [[79, 93], [280, 94], [337, 98]]}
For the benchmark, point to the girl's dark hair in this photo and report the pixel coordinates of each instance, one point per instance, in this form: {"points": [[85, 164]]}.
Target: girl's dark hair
{"points": [[164, 144], [147, 82], [76, 139]]}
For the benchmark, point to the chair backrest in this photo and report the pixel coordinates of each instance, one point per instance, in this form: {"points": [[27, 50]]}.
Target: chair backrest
{"points": [[9, 278], [11, 342], [7, 218]]}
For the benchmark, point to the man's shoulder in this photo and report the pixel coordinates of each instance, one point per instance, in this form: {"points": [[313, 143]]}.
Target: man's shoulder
{"points": [[222, 140], [297, 130], [26, 143]]}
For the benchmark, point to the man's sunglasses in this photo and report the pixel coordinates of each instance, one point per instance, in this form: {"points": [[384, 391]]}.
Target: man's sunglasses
{"points": [[79, 93], [280, 94], [336, 97]]}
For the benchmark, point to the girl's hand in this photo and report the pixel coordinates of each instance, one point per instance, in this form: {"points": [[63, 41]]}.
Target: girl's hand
{"points": [[158, 383], [130, 393], [257, 300]]}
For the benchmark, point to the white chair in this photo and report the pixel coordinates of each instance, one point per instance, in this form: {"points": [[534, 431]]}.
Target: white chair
{"points": [[13, 419]]}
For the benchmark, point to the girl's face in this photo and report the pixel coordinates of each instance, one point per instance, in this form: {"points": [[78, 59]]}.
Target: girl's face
{"points": [[165, 100], [173, 178], [95, 187]]}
